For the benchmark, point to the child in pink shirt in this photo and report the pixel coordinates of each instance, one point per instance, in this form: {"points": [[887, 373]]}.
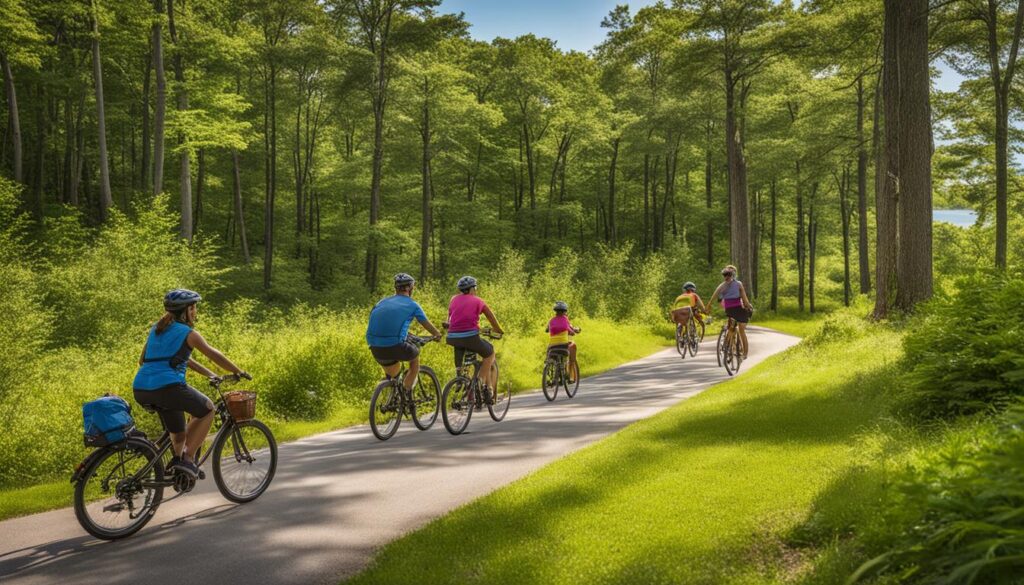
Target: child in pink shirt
{"points": [[560, 329]]}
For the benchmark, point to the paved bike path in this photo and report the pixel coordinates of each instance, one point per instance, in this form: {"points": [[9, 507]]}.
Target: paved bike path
{"points": [[339, 496]]}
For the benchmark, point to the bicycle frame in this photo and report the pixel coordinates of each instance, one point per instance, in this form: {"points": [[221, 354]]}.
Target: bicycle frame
{"points": [[163, 444]]}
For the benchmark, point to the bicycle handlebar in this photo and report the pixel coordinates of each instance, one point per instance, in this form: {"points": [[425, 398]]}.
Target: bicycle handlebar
{"points": [[488, 332], [216, 381], [420, 341]]}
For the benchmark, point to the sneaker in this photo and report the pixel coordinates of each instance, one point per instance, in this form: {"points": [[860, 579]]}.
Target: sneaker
{"points": [[173, 464], [187, 467], [488, 395]]}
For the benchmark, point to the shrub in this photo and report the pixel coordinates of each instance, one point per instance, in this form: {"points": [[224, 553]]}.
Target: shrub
{"points": [[966, 351], [973, 529], [114, 287]]}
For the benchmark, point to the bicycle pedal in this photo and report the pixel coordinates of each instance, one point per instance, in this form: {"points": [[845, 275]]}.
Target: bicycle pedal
{"points": [[202, 474]]}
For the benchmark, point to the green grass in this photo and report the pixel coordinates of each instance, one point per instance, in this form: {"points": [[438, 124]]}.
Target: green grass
{"points": [[708, 491], [604, 345]]}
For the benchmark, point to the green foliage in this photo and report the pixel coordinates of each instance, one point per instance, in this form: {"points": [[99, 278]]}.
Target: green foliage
{"points": [[973, 527], [114, 287], [966, 352]]}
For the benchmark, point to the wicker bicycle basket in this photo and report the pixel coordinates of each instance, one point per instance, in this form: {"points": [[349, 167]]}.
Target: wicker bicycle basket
{"points": [[241, 404]]}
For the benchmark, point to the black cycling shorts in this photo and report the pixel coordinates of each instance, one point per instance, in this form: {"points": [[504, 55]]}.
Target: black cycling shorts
{"points": [[172, 402], [474, 344], [739, 314], [392, 354]]}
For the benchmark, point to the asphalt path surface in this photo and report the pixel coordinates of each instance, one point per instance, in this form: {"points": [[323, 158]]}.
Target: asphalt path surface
{"points": [[339, 496]]}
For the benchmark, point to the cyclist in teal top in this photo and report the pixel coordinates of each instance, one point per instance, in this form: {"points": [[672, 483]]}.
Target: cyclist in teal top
{"points": [[160, 381]]}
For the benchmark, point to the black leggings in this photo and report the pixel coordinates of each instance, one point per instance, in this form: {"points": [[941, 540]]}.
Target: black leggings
{"points": [[474, 344], [172, 402]]}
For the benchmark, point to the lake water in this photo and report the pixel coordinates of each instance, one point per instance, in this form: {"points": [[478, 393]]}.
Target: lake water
{"points": [[957, 217]]}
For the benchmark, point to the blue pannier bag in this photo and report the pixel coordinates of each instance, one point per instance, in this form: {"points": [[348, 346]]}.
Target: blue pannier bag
{"points": [[107, 420]]}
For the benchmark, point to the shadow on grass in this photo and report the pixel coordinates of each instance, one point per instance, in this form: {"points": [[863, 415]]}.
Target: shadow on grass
{"points": [[579, 520]]}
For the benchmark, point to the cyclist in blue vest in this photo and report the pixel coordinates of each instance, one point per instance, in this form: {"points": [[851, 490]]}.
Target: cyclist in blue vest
{"points": [[160, 381], [389, 326]]}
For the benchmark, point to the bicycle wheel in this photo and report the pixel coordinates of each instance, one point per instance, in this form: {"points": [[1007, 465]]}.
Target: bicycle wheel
{"points": [[691, 338], [731, 366], [244, 461], [700, 327], [426, 399], [720, 347], [572, 386], [737, 352], [113, 498], [457, 404], [502, 398], [680, 341], [549, 382], [386, 409]]}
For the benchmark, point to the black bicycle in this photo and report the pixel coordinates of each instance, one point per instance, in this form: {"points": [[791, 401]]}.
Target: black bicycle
{"points": [[118, 488], [558, 373], [465, 393], [729, 348], [391, 402]]}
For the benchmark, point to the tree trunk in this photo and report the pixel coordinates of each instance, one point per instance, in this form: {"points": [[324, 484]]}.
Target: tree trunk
{"points": [[862, 195], [15, 119], [236, 168], [755, 237], [181, 93], [708, 201], [160, 105], [812, 244], [200, 183], [914, 263], [739, 221], [774, 302], [844, 218], [270, 145], [146, 139], [800, 256], [1001, 87], [428, 219], [610, 231], [106, 199]]}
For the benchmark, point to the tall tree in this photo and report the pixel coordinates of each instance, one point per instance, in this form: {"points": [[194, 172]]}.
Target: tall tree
{"points": [[181, 96], [160, 103], [989, 32], [106, 199]]}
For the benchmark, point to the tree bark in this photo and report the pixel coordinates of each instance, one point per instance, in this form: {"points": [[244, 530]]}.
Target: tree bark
{"points": [[427, 211], [739, 220], [236, 168], [914, 263], [843, 184], [15, 119], [800, 255], [886, 162], [774, 302], [862, 195], [610, 231], [200, 183], [812, 245], [146, 175], [181, 93], [160, 105], [106, 199], [708, 198], [1001, 83]]}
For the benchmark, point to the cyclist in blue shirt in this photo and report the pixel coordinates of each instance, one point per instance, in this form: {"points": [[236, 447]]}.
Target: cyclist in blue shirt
{"points": [[388, 327], [160, 381]]}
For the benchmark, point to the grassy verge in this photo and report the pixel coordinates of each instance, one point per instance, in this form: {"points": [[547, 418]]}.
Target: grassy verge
{"points": [[709, 491], [604, 345]]}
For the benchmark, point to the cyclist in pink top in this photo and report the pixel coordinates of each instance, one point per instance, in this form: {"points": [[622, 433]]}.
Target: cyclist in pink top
{"points": [[735, 302], [463, 326], [560, 329]]}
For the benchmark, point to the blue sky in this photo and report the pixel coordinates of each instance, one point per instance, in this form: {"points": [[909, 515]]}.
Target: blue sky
{"points": [[574, 24]]}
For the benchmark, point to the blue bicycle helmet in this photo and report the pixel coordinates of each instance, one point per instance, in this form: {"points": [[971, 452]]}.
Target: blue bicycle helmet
{"points": [[403, 279], [180, 298], [465, 283], [690, 286]]}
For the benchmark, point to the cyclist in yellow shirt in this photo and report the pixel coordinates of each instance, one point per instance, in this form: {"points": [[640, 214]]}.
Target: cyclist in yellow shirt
{"points": [[686, 306]]}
